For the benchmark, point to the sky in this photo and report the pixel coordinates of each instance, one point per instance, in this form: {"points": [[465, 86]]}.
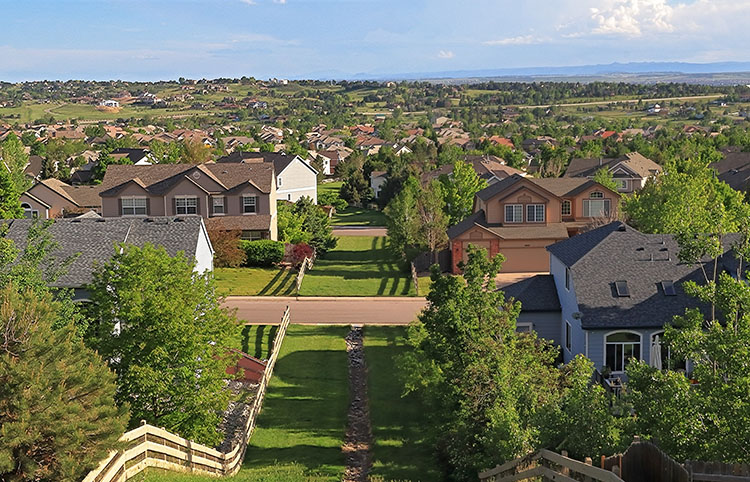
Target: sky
{"points": [[166, 39]]}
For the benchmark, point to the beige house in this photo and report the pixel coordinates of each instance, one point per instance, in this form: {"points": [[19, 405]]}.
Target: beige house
{"points": [[630, 171], [51, 198], [520, 216], [229, 196]]}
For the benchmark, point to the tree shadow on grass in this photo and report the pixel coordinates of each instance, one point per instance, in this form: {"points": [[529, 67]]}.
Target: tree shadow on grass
{"points": [[270, 284]]}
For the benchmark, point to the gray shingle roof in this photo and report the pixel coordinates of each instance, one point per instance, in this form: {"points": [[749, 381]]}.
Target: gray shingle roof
{"points": [[599, 258], [95, 240], [634, 161], [536, 293]]}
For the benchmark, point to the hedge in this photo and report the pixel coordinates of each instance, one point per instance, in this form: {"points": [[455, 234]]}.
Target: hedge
{"points": [[262, 253]]}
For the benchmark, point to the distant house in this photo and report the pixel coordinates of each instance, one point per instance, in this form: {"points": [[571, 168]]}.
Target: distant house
{"points": [[630, 171], [734, 169], [229, 196], [377, 179], [501, 141], [94, 241], [490, 168], [109, 103], [295, 177], [520, 216], [34, 167], [52, 198], [610, 293], [139, 157]]}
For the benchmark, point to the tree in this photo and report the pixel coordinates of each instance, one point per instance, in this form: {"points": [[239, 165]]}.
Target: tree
{"points": [[356, 189], [10, 203], [165, 152], [58, 416], [480, 380], [165, 334], [103, 161], [402, 218], [289, 225], [227, 251], [13, 155], [604, 177], [433, 220], [194, 152], [459, 189], [316, 224]]}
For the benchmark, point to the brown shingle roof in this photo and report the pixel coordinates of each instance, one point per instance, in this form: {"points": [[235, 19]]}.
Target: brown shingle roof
{"points": [[257, 222], [160, 177]]}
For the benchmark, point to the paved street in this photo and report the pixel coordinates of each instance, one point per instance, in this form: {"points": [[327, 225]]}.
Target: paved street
{"points": [[312, 310]]}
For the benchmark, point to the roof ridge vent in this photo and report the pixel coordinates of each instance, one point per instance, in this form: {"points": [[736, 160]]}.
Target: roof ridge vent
{"points": [[621, 228]]}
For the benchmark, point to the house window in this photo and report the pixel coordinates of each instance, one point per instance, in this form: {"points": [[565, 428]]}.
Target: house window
{"points": [[621, 347], [622, 184], [567, 278], [666, 353], [186, 205], [218, 205], [278, 181], [514, 213], [596, 195], [595, 208], [566, 208], [249, 204], [134, 206], [568, 336], [28, 212], [524, 327], [535, 213]]}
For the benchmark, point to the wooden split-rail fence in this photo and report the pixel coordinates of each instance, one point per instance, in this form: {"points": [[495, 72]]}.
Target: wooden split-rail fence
{"points": [[549, 466], [149, 446], [306, 265]]}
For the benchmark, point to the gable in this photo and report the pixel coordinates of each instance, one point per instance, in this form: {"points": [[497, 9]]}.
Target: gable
{"points": [[522, 194], [621, 170]]}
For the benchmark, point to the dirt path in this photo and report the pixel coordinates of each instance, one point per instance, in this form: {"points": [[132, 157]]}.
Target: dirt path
{"points": [[358, 440]]}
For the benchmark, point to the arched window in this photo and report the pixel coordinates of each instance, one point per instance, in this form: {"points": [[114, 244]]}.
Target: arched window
{"points": [[28, 211], [620, 347]]}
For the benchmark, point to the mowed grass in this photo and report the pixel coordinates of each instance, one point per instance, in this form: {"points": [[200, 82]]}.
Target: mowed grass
{"points": [[400, 451], [351, 216], [301, 428], [359, 266], [255, 281], [255, 340]]}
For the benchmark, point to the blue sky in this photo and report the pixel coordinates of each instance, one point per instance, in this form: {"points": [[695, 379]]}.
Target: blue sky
{"points": [[166, 39]]}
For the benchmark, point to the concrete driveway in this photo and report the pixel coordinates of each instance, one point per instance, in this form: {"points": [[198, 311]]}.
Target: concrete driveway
{"points": [[327, 310]]}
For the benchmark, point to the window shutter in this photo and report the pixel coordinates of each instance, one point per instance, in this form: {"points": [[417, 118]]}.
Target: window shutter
{"points": [[174, 206], [119, 206], [198, 205], [148, 206], [242, 205]]}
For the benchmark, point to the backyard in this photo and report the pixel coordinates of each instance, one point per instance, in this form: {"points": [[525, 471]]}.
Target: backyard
{"points": [[359, 266], [255, 281], [301, 428], [352, 216]]}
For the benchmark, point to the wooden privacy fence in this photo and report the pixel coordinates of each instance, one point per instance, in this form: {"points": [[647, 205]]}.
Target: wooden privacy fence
{"points": [[149, 446], [550, 466], [644, 462], [717, 471]]}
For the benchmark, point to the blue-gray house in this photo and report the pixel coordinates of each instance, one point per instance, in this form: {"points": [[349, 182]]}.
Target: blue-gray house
{"points": [[609, 293]]}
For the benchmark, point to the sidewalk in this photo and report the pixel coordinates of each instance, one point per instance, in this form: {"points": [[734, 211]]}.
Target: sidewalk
{"points": [[328, 310]]}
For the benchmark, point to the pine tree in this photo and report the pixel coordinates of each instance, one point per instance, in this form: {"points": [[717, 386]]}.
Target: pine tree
{"points": [[58, 417]]}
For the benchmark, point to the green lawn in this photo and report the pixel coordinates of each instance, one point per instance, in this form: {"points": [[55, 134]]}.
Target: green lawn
{"points": [[334, 186], [399, 450], [359, 266], [354, 216], [255, 340], [255, 281]]}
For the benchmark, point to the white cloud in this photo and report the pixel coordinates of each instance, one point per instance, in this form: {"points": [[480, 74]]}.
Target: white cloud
{"points": [[249, 2], [633, 17], [520, 40], [445, 54], [279, 1]]}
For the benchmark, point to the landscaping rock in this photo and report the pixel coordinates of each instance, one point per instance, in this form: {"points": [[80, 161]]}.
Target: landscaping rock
{"points": [[359, 430]]}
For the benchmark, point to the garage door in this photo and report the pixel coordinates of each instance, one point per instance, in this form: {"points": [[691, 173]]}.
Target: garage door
{"points": [[525, 260], [479, 244]]}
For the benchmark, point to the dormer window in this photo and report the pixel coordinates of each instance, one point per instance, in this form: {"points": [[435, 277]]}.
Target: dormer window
{"points": [[514, 213]]}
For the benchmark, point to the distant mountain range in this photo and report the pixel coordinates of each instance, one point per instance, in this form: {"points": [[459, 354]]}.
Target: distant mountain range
{"points": [[604, 71]]}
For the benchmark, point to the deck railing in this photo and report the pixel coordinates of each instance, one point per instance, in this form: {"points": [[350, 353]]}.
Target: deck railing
{"points": [[149, 446]]}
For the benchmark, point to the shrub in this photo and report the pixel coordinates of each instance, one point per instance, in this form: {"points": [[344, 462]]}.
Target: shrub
{"points": [[227, 251], [299, 252], [263, 252], [332, 199]]}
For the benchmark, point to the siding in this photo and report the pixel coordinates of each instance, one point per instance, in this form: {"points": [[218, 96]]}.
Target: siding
{"points": [[569, 305], [545, 323], [204, 253], [596, 344], [297, 180]]}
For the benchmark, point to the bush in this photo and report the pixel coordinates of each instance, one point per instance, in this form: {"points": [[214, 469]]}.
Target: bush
{"points": [[227, 251], [332, 199], [263, 253], [299, 252]]}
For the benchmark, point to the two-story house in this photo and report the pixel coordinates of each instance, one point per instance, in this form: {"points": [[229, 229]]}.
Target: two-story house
{"points": [[295, 177], [520, 216], [609, 294], [52, 198], [229, 196], [630, 171]]}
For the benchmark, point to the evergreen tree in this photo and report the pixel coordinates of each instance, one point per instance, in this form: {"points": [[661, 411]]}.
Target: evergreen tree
{"points": [[315, 222], [58, 416], [165, 334]]}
